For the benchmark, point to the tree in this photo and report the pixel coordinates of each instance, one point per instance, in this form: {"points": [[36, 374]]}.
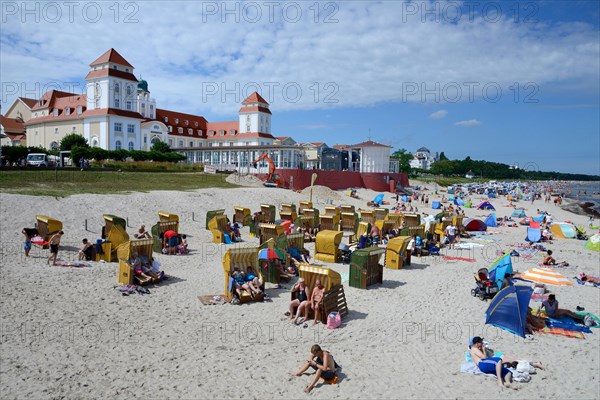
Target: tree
{"points": [[403, 157], [72, 140], [160, 147], [442, 156]]}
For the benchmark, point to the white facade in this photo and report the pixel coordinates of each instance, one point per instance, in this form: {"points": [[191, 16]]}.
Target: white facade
{"points": [[423, 159]]}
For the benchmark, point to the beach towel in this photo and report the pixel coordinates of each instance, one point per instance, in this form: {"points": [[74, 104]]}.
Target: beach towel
{"points": [[469, 367], [567, 323], [452, 258], [579, 281], [39, 241], [539, 297], [595, 317], [211, 300], [562, 332]]}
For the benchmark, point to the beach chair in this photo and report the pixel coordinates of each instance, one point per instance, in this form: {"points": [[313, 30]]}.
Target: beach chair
{"points": [[268, 213], [396, 218], [217, 226], [294, 240], [334, 298], [288, 216], [164, 216], [417, 230], [412, 220], [363, 228], [367, 216], [111, 220], [47, 226], [314, 213], [327, 245], [380, 213], [396, 254], [303, 205], [243, 257], [332, 210], [349, 222], [211, 214], [345, 208], [242, 215], [365, 269], [159, 229], [270, 231], [329, 222], [457, 221], [144, 249]]}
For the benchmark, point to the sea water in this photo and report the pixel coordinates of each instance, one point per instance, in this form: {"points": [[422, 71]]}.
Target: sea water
{"points": [[584, 192]]}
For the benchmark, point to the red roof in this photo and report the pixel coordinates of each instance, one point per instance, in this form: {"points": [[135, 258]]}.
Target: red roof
{"points": [[11, 124], [112, 56], [255, 98], [29, 102], [100, 73], [113, 111], [370, 143], [318, 143], [181, 118], [48, 99], [282, 138], [245, 109], [340, 146]]}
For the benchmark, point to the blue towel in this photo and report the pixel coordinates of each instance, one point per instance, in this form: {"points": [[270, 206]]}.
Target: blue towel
{"points": [[567, 323], [227, 239]]}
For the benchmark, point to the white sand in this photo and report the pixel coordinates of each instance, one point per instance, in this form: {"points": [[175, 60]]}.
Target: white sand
{"points": [[67, 332]]}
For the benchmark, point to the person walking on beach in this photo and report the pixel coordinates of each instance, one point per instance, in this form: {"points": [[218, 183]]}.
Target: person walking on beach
{"points": [[54, 242], [591, 222], [322, 362]]}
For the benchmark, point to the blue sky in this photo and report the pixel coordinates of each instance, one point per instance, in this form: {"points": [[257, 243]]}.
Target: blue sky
{"points": [[394, 68]]}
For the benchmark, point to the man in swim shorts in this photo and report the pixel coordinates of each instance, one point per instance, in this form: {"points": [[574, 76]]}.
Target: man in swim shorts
{"points": [[489, 365]]}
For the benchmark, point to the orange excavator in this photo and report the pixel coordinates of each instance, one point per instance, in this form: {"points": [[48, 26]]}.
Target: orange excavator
{"points": [[273, 178]]}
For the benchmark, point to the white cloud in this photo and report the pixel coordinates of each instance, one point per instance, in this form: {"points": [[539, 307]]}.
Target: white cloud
{"points": [[438, 114], [367, 57], [468, 123]]}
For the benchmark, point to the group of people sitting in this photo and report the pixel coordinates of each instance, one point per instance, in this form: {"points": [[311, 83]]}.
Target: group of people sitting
{"points": [[247, 281], [305, 302], [144, 270]]}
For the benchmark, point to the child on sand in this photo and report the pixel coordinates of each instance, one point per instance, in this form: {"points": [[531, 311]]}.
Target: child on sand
{"points": [[27, 243], [322, 362]]}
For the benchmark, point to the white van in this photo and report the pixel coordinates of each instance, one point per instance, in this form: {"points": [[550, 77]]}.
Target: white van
{"points": [[40, 160]]}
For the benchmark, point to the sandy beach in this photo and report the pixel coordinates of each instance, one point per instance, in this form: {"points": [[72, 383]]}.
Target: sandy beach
{"points": [[67, 332]]}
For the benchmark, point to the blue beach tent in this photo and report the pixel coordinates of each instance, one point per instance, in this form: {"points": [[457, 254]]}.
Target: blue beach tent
{"points": [[533, 235], [491, 220], [508, 309], [436, 205], [500, 268], [518, 214]]}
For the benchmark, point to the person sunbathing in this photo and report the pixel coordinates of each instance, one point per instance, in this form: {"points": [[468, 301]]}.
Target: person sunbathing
{"points": [[143, 271], [587, 278], [549, 260], [553, 311], [301, 302], [533, 322], [316, 300], [322, 362], [252, 281], [299, 255], [489, 365]]}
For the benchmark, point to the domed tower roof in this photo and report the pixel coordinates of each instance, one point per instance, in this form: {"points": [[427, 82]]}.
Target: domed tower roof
{"points": [[423, 150], [143, 85]]}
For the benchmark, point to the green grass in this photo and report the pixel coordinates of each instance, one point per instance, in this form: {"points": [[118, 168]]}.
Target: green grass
{"points": [[449, 180], [68, 182]]}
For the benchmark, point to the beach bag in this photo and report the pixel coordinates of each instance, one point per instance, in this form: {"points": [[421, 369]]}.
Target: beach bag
{"points": [[334, 320], [588, 320]]}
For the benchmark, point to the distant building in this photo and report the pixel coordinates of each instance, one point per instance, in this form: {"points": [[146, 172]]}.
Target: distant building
{"points": [[423, 159], [470, 175]]}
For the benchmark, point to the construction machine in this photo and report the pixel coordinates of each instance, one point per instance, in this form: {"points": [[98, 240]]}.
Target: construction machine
{"points": [[273, 179]]}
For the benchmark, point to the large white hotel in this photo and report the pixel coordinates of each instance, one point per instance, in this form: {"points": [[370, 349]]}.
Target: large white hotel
{"points": [[117, 112]]}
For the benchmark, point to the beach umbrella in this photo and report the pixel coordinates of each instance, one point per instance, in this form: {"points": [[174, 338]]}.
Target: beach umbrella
{"points": [[544, 275], [270, 254], [508, 309]]}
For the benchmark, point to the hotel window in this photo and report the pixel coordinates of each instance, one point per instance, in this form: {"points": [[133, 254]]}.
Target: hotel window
{"points": [[191, 143], [56, 112], [190, 131], [211, 133], [145, 139], [199, 131], [128, 105], [232, 132], [170, 128], [210, 145], [176, 120], [79, 109], [117, 89], [170, 142], [128, 90], [97, 103], [117, 103], [126, 69], [180, 130], [118, 127], [166, 119], [118, 145], [144, 106], [186, 122], [74, 129], [130, 128], [67, 111], [130, 147], [181, 143], [55, 130], [222, 132], [151, 115], [196, 124], [221, 144], [151, 107], [230, 144], [115, 67], [54, 146]]}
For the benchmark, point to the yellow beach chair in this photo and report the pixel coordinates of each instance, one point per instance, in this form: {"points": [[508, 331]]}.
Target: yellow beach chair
{"points": [[144, 249], [243, 257], [327, 245]]}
